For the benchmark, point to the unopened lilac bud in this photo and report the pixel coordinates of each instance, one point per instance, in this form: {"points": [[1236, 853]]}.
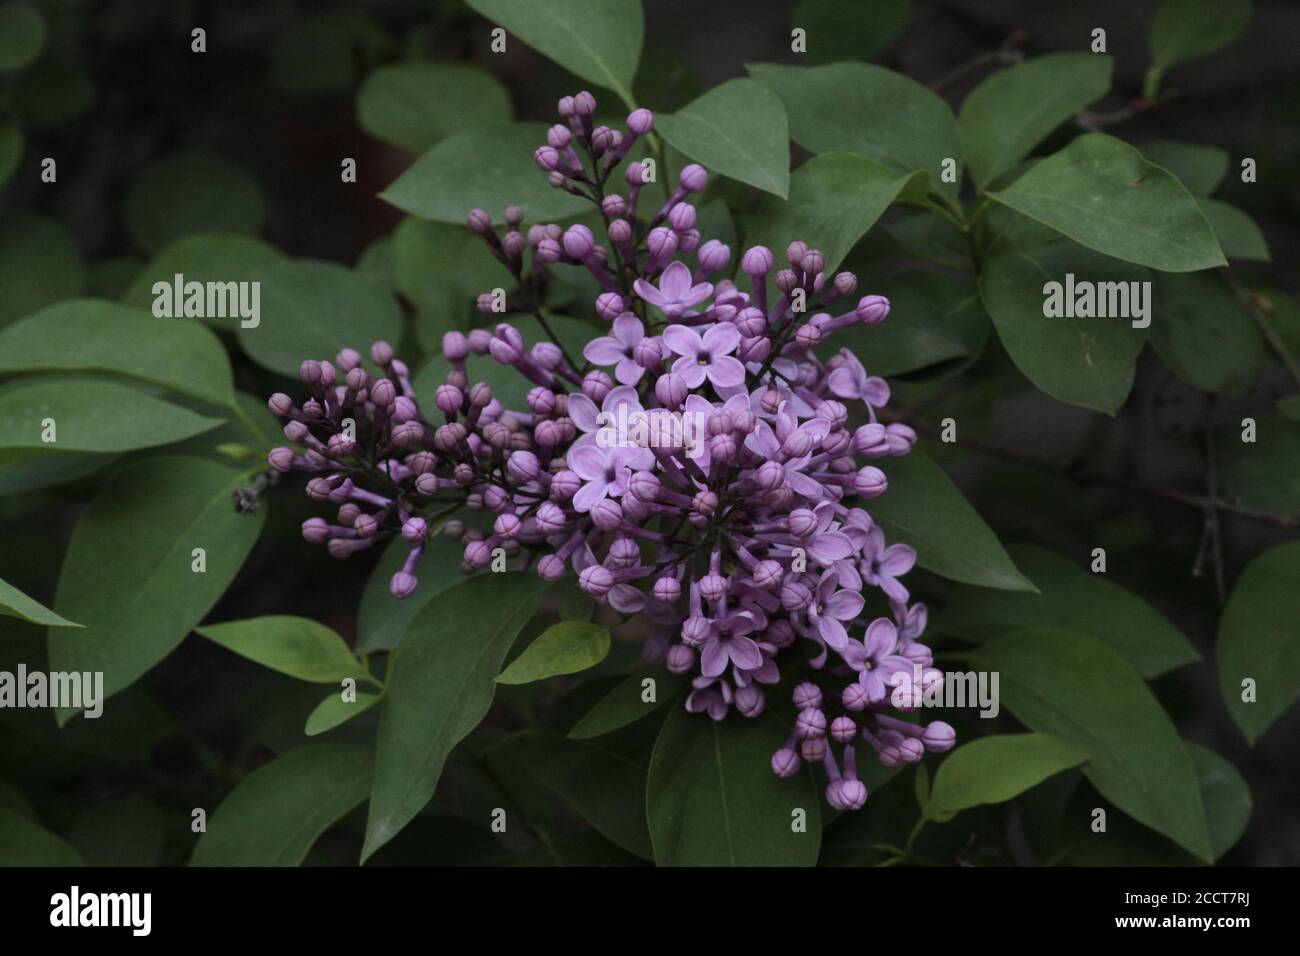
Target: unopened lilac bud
{"points": [[507, 525], [316, 530], [843, 730], [559, 136], [381, 353], [296, 432], [309, 371], [786, 762], [812, 262], [671, 390], [280, 404], [479, 221], [449, 399], [713, 587], [750, 700], [754, 349], [679, 659], [596, 580], [620, 232], [814, 749], [845, 283], [795, 596], [357, 379], [640, 121], [415, 529], [426, 484], [584, 104], [852, 794], [523, 466], [514, 243], [578, 241], [402, 585], [750, 322], [802, 522], [872, 309], [743, 421], [407, 434], [797, 444], [757, 261], [811, 722], [609, 306], [366, 526], [547, 160], [405, 409], [606, 514], [667, 589], [870, 482], [614, 206], [327, 374], [795, 252], [694, 178], [786, 281], [596, 385], [603, 138], [688, 240], [770, 476], [714, 255], [768, 574], [682, 217], [648, 353], [340, 445], [695, 630], [564, 485], [806, 695], [661, 242], [938, 737], [808, 336], [550, 567], [548, 355], [855, 697], [704, 503], [281, 459]]}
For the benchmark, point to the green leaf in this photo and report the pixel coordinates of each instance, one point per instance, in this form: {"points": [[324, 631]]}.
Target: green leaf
{"points": [[625, 703], [598, 40], [39, 264], [440, 687], [89, 415], [312, 309], [1203, 333], [22, 36], [191, 192], [1264, 474], [565, 648], [1086, 361], [127, 573], [296, 646], [24, 842], [869, 110], [126, 830], [934, 320], [605, 788], [414, 105], [488, 167], [14, 603], [834, 199], [1014, 110], [850, 31], [442, 269], [334, 711], [1101, 193], [1238, 235], [382, 619], [203, 257], [1077, 688], [324, 52], [997, 769], [92, 335], [1071, 598], [276, 813], [712, 799], [1228, 805], [924, 509], [1199, 167], [1259, 640], [737, 129], [110, 277], [1183, 30]]}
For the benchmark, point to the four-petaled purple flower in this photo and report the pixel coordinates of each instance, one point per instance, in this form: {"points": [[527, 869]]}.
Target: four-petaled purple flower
{"points": [[616, 349], [676, 293], [706, 356]]}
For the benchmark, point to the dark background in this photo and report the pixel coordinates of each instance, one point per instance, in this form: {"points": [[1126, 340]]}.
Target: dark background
{"points": [[153, 96]]}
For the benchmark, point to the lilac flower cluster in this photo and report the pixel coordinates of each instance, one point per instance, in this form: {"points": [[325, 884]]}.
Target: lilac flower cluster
{"points": [[699, 464]]}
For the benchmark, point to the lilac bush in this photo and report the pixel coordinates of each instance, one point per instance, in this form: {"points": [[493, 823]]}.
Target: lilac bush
{"points": [[700, 464]]}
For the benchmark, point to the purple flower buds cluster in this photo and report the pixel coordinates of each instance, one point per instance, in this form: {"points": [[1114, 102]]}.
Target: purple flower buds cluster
{"points": [[703, 463]]}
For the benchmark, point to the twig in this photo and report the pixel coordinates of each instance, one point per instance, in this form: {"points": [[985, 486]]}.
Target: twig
{"points": [[1211, 538], [1008, 54]]}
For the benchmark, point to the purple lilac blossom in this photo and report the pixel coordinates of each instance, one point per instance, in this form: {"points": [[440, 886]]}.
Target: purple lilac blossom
{"points": [[738, 534]]}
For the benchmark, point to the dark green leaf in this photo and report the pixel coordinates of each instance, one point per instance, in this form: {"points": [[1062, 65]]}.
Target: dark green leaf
{"points": [[1074, 686], [24, 842], [1199, 167], [626, 703], [1014, 110], [334, 710], [90, 335], [22, 36], [997, 769], [312, 309], [128, 574], [1203, 333], [275, 814], [713, 800], [564, 648], [1259, 640], [1101, 193], [598, 40], [850, 31], [127, 830], [14, 603], [1227, 798], [323, 52], [441, 684], [1264, 474], [39, 264], [834, 199], [1238, 235], [869, 110], [414, 105], [737, 129], [1070, 597], [924, 509], [1186, 29]]}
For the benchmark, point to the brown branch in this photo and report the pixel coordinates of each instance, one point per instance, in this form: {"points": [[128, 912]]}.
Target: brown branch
{"points": [[1008, 54]]}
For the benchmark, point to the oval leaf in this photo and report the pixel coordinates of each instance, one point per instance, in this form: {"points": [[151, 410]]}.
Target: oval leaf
{"points": [[713, 800], [14, 603], [1204, 334], [737, 129], [1076, 687], [626, 703], [441, 685], [1259, 640], [275, 814], [39, 264], [997, 769], [24, 842], [924, 509], [564, 648], [1101, 193], [188, 192], [296, 646], [414, 105], [334, 710]]}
